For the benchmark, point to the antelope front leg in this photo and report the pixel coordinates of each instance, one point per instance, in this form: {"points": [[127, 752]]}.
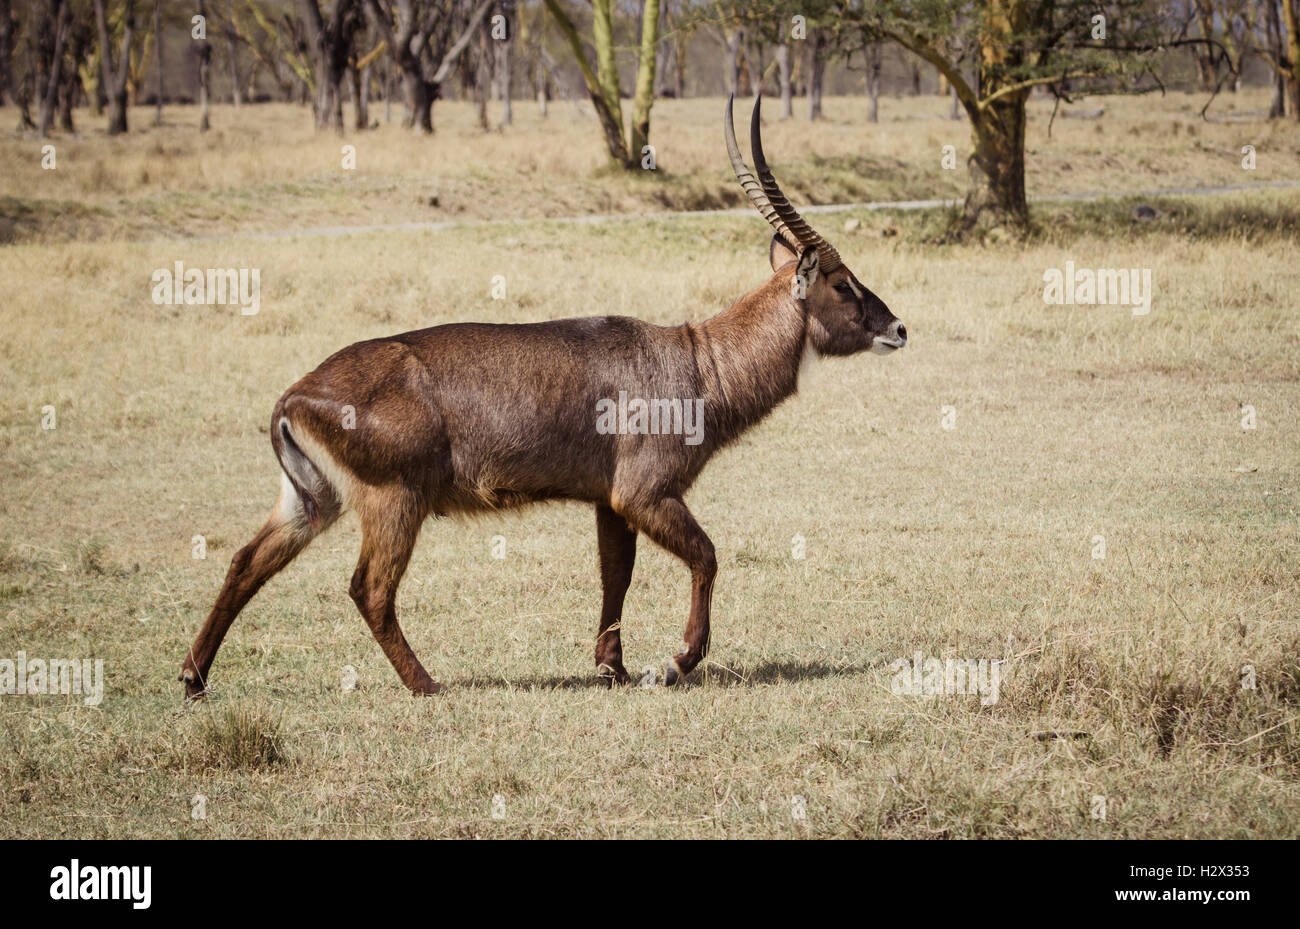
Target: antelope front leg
{"points": [[617, 543], [670, 524]]}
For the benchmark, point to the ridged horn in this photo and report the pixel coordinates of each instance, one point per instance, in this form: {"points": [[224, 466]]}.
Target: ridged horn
{"points": [[828, 259], [748, 182]]}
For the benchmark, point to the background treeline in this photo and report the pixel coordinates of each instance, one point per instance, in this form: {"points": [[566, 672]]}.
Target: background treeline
{"points": [[322, 52], [354, 63]]}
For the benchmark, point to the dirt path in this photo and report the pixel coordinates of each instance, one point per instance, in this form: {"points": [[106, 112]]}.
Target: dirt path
{"points": [[334, 231]]}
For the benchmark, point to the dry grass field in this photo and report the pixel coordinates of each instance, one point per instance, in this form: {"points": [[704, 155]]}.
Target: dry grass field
{"points": [[265, 169], [948, 497]]}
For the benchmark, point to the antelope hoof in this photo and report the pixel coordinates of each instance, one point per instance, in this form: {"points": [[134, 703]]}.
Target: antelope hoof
{"points": [[672, 674], [614, 678], [193, 689], [613, 674], [427, 689]]}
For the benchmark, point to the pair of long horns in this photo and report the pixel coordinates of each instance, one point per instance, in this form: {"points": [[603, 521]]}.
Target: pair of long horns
{"points": [[766, 194]]}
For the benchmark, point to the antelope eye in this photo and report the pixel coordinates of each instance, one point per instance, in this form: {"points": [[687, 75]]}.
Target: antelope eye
{"points": [[844, 288]]}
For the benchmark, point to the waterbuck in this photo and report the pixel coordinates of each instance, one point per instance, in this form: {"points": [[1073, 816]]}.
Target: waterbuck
{"points": [[470, 417]]}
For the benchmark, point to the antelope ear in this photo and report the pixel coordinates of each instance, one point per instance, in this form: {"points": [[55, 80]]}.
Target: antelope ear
{"points": [[809, 267], [781, 253]]}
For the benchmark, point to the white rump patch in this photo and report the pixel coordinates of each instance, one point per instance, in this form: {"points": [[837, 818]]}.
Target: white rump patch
{"points": [[288, 509], [338, 477]]}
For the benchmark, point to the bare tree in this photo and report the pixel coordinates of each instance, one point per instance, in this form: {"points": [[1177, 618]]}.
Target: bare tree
{"points": [[531, 45], [1283, 56], [602, 81], [1291, 14], [415, 30], [79, 45], [59, 23], [644, 97], [232, 49], [8, 33], [205, 64], [681, 29], [279, 43], [114, 75], [501, 69], [874, 57], [783, 75], [733, 37], [158, 61], [331, 44], [816, 51], [359, 70]]}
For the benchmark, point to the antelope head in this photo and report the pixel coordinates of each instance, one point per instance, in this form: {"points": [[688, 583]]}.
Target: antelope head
{"points": [[843, 316]]}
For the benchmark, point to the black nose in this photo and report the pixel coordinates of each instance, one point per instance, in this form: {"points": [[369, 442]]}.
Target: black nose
{"points": [[902, 332]]}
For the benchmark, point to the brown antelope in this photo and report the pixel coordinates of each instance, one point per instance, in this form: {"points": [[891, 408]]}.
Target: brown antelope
{"points": [[470, 417]]}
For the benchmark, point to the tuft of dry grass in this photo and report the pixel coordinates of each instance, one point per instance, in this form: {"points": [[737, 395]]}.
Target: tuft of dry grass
{"points": [[237, 737]]}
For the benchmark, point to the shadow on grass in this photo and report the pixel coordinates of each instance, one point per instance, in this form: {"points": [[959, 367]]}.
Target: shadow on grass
{"points": [[764, 672]]}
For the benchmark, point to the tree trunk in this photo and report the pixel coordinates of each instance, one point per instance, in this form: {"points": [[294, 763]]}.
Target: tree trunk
{"points": [[329, 98], [117, 112], [483, 79], [782, 55], [503, 79], [996, 195], [1204, 53], [354, 83], [874, 55], [233, 47], [1277, 106], [363, 100], [1291, 13], [681, 46], [602, 28], [23, 97], [68, 89], [816, 72], [158, 63], [644, 99], [205, 64], [543, 86], [114, 81], [330, 43], [997, 166], [419, 99], [607, 105], [50, 92], [734, 39], [8, 27], [754, 63]]}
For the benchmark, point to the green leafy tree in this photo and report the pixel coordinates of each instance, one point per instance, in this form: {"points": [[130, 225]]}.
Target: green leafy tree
{"points": [[1066, 47]]}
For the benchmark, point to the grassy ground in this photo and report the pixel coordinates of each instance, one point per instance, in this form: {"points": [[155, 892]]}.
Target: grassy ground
{"points": [[265, 169], [970, 542]]}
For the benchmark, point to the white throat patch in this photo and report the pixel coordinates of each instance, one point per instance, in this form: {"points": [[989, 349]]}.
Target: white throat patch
{"points": [[807, 359]]}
